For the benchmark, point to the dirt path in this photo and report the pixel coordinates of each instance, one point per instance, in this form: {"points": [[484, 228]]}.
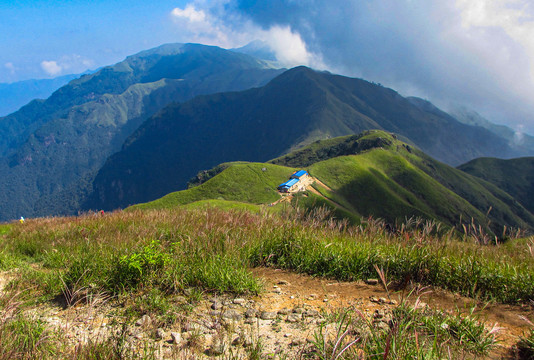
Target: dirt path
{"points": [[312, 291]]}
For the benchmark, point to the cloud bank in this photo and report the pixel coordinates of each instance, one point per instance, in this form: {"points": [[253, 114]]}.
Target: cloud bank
{"points": [[478, 53]]}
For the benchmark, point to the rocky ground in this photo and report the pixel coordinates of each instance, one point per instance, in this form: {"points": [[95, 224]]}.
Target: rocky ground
{"points": [[281, 322]]}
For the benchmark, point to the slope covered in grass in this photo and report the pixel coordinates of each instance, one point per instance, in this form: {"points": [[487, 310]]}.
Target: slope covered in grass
{"points": [[515, 176], [253, 183], [376, 174]]}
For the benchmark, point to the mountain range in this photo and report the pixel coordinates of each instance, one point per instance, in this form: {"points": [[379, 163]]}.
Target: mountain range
{"points": [[51, 148], [142, 128], [370, 174], [292, 110]]}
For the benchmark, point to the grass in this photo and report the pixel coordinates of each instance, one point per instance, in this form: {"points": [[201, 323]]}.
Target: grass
{"points": [[239, 182], [408, 332], [146, 257]]}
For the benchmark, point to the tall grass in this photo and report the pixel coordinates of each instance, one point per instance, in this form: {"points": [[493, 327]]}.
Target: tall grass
{"points": [[212, 250]]}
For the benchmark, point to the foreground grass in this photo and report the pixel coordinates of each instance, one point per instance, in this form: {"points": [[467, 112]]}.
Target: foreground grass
{"points": [[164, 252], [212, 249]]}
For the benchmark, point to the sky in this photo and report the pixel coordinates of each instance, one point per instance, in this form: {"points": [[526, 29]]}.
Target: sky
{"points": [[474, 53]]}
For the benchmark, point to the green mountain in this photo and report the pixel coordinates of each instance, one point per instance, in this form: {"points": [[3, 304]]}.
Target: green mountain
{"points": [[371, 174], [17, 94], [515, 176], [291, 111], [52, 148], [523, 143]]}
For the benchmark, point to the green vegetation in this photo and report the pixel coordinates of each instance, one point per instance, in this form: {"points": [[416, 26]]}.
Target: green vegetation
{"points": [[293, 110], [50, 150], [515, 176], [211, 249], [251, 183], [413, 332], [146, 257]]}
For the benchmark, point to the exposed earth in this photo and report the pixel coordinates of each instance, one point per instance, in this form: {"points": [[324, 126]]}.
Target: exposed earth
{"points": [[283, 319]]}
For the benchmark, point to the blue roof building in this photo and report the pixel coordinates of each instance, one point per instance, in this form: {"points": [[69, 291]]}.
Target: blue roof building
{"points": [[287, 185], [299, 174]]}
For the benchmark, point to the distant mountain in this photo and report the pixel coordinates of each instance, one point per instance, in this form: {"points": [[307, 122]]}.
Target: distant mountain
{"points": [[521, 142], [14, 95], [52, 148], [371, 174], [515, 176], [293, 110]]}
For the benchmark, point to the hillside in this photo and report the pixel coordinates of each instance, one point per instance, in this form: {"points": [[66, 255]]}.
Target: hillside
{"points": [[291, 111], [54, 147], [17, 94], [371, 174], [515, 176]]}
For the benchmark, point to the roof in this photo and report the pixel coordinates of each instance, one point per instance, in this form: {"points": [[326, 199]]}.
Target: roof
{"points": [[299, 173], [289, 183]]}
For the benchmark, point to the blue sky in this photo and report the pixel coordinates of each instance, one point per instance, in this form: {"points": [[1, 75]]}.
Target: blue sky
{"points": [[478, 53]]}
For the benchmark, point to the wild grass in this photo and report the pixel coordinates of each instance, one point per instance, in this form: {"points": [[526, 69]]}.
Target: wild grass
{"points": [[212, 250], [146, 257], [409, 332]]}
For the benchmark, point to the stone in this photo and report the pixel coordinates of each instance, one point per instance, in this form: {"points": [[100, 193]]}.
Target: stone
{"points": [[311, 313], [299, 310], [217, 348], [216, 305], [374, 299], [382, 300], [251, 313], [283, 282], [297, 342], [268, 315], [393, 302], [293, 318], [372, 281], [160, 333], [239, 301], [232, 315], [284, 311], [176, 337], [145, 320]]}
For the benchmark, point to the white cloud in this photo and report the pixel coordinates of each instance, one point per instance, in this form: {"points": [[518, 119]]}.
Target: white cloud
{"points": [[51, 67], [189, 13], [12, 69], [73, 63], [215, 26]]}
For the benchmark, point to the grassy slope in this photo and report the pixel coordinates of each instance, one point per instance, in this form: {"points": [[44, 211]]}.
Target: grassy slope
{"points": [[385, 178], [241, 182], [515, 176], [389, 179]]}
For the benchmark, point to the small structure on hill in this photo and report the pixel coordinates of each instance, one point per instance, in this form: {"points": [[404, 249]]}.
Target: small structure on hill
{"points": [[301, 174], [293, 183]]}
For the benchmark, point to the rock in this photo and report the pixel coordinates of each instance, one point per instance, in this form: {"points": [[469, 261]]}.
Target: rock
{"points": [[283, 282], [268, 315], [299, 310], [291, 297], [313, 296], [379, 314], [284, 311], [216, 305], [239, 301], [144, 321], [217, 348], [232, 315], [325, 300], [176, 337], [297, 342], [180, 299], [382, 300], [287, 335], [277, 290], [393, 302], [311, 313], [374, 299], [372, 281], [160, 333], [293, 318], [251, 313]]}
